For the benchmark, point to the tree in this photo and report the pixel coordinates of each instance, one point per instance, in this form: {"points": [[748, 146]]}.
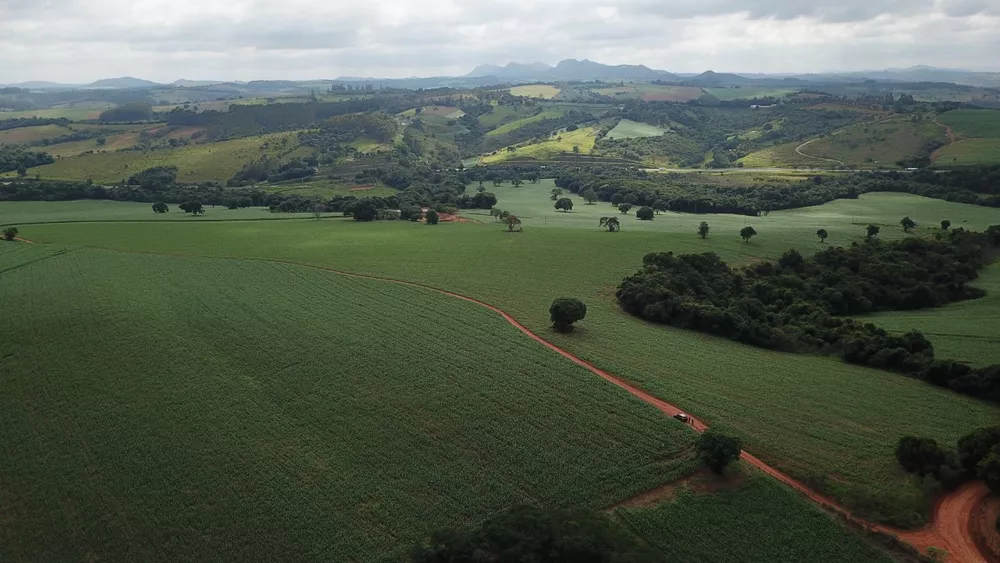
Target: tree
{"points": [[644, 213], [746, 233], [920, 455], [612, 224], [659, 206], [822, 234], [717, 450], [527, 533], [625, 207], [193, 207], [432, 217], [516, 182], [160, 207], [907, 224], [945, 225], [495, 213], [10, 233], [989, 469], [511, 221], [365, 210], [481, 188], [703, 229], [101, 141], [590, 196], [975, 446], [872, 231], [565, 204], [411, 213], [576, 149], [556, 192], [565, 311], [617, 199], [22, 171], [317, 209]]}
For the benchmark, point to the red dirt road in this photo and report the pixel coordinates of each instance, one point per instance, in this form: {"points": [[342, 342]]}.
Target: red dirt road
{"points": [[951, 525]]}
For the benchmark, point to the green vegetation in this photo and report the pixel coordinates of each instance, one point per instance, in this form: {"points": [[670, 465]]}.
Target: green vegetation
{"points": [[867, 145], [543, 91], [978, 137], [628, 129], [197, 163], [566, 143], [24, 135], [348, 450], [679, 526], [973, 123], [514, 125], [840, 442], [747, 92]]}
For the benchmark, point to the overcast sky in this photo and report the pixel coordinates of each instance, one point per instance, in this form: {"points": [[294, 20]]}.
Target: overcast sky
{"points": [[162, 40]]}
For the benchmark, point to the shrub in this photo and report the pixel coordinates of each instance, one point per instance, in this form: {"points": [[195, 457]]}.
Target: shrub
{"points": [[644, 213], [432, 217]]}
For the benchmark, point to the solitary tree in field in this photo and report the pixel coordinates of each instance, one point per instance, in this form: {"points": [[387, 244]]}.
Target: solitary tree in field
{"points": [[534, 176], [590, 196], [625, 208], [511, 221], [822, 234], [703, 229], [160, 207], [565, 311], [318, 209], [193, 207], [873, 231], [644, 213], [945, 225], [556, 192], [576, 149], [516, 182], [717, 450], [907, 224], [10, 233], [565, 204], [612, 224], [495, 213], [431, 217], [746, 233]]}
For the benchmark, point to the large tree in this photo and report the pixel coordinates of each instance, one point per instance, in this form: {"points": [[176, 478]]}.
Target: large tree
{"points": [[625, 208], [644, 213], [431, 217], [703, 229], [512, 222], [556, 192], [717, 450], [612, 223], [160, 207], [746, 233], [872, 231], [590, 196], [907, 224], [945, 225], [10, 233], [193, 207], [565, 311], [564, 204], [822, 234]]}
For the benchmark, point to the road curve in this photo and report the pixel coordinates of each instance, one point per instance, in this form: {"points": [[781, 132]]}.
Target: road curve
{"points": [[949, 529]]}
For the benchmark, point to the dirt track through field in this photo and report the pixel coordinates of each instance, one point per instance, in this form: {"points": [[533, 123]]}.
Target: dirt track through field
{"points": [[951, 138], [951, 527]]}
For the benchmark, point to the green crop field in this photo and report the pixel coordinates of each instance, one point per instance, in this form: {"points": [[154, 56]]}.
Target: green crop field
{"points": [[970, 152], [28, 212], [676, 526], [23, 135], [517, 124], [543, 91], [966, 331], [628, 129], [652, 92], [196, 163], [782, 155], [973, 123], [73, 112], [504, 114], [832, 424], [870, 144], [169, 408], [563, 144]]}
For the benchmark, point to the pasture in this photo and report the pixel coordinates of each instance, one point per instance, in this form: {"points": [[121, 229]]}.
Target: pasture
{"points": [[748, 92], [977, 134], [514, 125], [561, 144], [973, 123], [628, 129], [831, 424], [867, 145], [196, 163], [253, 410], [652, 92], [24, 135], [74, 111], [542, 91]]}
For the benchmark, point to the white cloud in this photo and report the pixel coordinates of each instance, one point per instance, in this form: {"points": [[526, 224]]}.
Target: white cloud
{"points": [[79, 41]]}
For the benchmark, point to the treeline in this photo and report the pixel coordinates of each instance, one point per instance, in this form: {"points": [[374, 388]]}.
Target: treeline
{"points": [[329, 135], [31, 122], [476, 141], [800, 304], [979, 186], [247, 120], [977, 456], [13, 157], [131, 112], [270, 169]]}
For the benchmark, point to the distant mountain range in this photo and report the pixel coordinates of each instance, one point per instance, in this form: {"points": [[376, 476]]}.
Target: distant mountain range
{"points": [[569, 70]]}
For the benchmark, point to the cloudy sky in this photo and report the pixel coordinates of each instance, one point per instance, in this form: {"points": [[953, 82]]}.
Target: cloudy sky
{"points": [[162, 40]]}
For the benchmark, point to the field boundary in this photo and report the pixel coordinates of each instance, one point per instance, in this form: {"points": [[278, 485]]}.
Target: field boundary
{"points": [[950, 527]]}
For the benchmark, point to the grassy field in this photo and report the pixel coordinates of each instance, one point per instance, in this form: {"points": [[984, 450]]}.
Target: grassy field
{"points": [[628, 129], [563, 144], [73, 112], [543, 91], [23, 135], [652, 92], [783, 155], [869, 144], [195, 163], [676, 527], [326, 189], [978, 138], [28, 212], [504, 114], [748, 92], [966, 331], [832, 424], [970, 152], [165, 408], [514, 125], [973, 123]]}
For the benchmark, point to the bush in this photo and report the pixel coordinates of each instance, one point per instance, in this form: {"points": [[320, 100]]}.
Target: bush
{"points": [[565, 311], [644, 213], [431, 217], [10, 233]]}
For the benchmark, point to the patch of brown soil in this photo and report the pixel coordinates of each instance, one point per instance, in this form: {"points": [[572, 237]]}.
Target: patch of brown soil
{"points": [[702, 481], [984, 528], [361, 188]]}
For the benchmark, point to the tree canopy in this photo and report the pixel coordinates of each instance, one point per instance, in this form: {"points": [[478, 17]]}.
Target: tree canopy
{"points": [[565, 311], [564, 204], [644, 213], [717, 450]]}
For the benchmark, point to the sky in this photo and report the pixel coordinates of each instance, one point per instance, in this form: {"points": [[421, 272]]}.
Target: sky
{"points": [[78, 41]]}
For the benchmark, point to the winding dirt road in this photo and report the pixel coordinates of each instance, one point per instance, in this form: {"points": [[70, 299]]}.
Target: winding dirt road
{"points": [[951, 525], [798, 151]]}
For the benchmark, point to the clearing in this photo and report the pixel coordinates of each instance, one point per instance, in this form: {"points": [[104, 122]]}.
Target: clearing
{"points": [[628, 129], [562, 144], [543, 91]]}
